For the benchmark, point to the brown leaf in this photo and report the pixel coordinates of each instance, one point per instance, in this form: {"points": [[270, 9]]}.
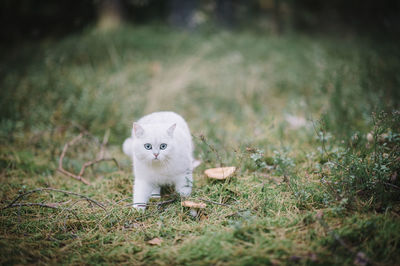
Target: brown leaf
{"points": [[155, 241], [220, 173], [192, 204]]}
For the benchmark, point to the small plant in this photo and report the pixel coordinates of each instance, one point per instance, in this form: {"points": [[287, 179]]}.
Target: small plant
{"points": [[284, 164], [258, 158], [368, 168]]}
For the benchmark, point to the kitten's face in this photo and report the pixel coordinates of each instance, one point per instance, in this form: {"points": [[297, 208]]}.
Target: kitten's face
{"points": [[154, 144]]}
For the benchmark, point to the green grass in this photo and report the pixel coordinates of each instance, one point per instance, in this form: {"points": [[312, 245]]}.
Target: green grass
{"points": [[312, 194]]}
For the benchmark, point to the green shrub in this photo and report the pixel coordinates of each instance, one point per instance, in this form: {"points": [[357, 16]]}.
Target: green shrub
{"points": [[368, 166]]}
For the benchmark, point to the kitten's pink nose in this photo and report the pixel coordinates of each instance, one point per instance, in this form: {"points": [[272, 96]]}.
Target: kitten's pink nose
{"points": [[155, 154]]}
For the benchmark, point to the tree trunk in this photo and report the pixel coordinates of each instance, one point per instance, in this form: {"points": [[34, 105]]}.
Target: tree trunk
{"points": [[110, 14]]}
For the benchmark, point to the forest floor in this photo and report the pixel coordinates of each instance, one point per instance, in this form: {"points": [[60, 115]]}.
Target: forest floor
{"points": [[309, 122]]}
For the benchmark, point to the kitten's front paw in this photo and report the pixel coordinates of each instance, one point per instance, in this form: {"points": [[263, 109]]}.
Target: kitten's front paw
{"points": [[139, 207], [155, 194]]}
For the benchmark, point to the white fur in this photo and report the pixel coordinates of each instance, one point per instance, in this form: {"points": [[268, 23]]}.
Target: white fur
{"points": [[173, 165]]}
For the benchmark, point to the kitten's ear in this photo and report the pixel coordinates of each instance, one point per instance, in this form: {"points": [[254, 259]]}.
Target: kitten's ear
{"points": [[139, 131], [171, 130]]}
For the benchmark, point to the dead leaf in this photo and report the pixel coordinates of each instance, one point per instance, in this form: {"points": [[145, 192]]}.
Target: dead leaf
{"points": [[155, 241], [220, 173], [192, 204]]}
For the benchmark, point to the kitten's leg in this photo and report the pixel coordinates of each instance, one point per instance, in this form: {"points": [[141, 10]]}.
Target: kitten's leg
{"points": [[141, 193], [184, 184], [156, 194]]}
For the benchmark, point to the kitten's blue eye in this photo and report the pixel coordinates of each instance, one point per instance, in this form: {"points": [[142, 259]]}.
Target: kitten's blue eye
{"points": [[163, 146], [147, 146]]}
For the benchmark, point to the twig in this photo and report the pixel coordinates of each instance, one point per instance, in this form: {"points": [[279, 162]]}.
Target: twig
{"points": [[214, 202], [158, 204], [55, 190], [70, 143], [100, 158], [130, 198], [90, 163], [236, 213], [392, 185], [60, 162], [61, 170]]}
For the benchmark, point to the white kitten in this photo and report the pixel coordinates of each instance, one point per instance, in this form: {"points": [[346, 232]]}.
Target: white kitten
{"points": [[162, 152]]}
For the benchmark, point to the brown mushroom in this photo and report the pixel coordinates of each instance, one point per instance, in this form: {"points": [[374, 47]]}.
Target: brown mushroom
{"points": [[194, 205], [220, 173]]}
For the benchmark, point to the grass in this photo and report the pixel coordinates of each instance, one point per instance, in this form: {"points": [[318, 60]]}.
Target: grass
{"points": [[292, 112]]}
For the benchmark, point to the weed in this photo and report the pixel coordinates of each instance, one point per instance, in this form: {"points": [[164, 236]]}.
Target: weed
{"points": [[367, 168]]}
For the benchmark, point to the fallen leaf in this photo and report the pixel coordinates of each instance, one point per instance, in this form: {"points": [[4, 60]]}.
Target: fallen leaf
{"points": [[220, 173], [192, 204], [155, 241]]}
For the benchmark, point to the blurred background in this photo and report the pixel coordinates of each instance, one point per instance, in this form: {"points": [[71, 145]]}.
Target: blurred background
{"points": [[102, 63], [26, 19]]}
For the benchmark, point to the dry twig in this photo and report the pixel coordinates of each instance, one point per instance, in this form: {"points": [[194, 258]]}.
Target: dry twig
{"points": [[12, 204], [100, 158], [158, 204]]}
